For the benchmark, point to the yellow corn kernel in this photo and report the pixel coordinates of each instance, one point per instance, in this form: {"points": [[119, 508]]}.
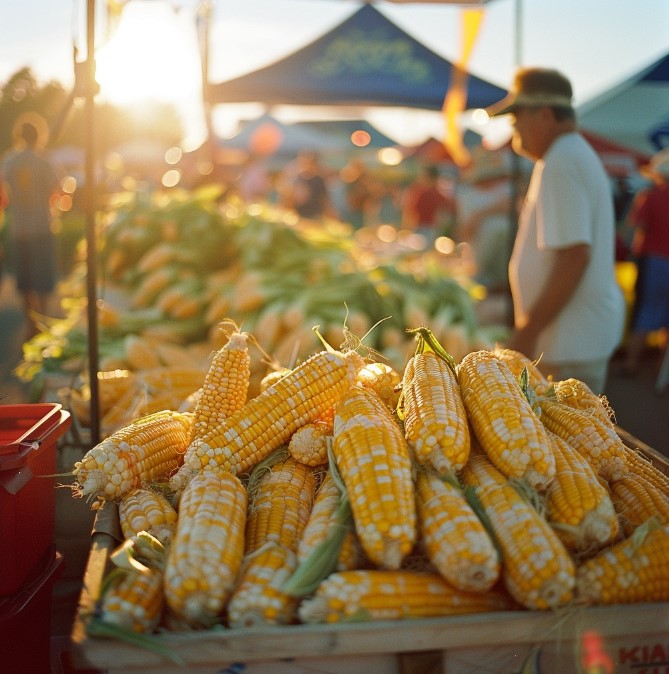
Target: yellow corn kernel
{"points": [[536, 568], [578, 505], [435, 421], [504, 423], [308, 444], [638, 464], [280, 503], [207, 550], [148, 449], [272, 377], [636, 500], [591, 436], [373, 459], [267, 421], [633, 570], [383, 379], [147, 510], [258, 598], [454, 538], [226, 385], [394, 595]]}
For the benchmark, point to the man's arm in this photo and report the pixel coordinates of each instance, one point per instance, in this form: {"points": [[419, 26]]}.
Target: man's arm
{"points": [[568, 269]]}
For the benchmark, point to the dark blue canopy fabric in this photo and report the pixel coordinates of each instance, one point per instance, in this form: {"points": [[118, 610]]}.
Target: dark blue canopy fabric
{"points": [[365, 60]]}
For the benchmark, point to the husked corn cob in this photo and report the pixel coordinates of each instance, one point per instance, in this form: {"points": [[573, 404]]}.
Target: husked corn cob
{"points": [[267, 421], [308, 444], [504, 423], [517, 362], [258, 598], [139, 353], [579, 395], [207, 550], [147, 510], [578, 505], [373, 459], [383, 379], [640, 465], [591, 436], [394, 595], [455, 539], [536, 568], [320, 524], [272, 377], [633, 570], [435, 421], [279, 505], [636, 500], [180, 379], [133, 456], [226, 385], [132, 595]]}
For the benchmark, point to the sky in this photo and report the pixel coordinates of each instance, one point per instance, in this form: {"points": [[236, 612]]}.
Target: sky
{"points": [[596, 43]]}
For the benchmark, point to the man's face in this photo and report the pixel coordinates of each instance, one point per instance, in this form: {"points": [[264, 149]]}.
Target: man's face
{"points": [[529, 125]]}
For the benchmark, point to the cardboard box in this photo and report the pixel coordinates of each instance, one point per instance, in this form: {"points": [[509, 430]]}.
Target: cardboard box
{"points": [[28, 435]]}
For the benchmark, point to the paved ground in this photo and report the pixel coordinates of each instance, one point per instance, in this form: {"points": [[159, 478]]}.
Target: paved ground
{"points": [[639, 410]]}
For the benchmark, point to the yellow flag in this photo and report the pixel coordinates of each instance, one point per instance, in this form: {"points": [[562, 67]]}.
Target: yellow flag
{"points": [[456, 96]]}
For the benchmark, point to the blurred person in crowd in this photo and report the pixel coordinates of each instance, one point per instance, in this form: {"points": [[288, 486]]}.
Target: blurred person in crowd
{"points": [[31, 182], [486, 215], [309, 194], [253, 183], [649, 218], [361, 194], [426, 207], [568, 308]]}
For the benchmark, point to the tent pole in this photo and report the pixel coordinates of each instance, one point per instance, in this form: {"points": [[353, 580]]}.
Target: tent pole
{"points": [[91, 246]]}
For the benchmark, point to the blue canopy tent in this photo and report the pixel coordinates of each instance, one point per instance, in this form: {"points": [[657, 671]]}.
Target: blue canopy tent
{"points": [[366, 60]]}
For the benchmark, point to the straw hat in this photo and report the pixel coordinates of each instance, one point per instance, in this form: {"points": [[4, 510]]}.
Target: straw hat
{"points": [[658, 166]]}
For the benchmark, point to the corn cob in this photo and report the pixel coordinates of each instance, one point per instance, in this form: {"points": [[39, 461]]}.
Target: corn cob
{"points": [[147, 510], [322, 520], [455, 540], [207, 550], [272, 377], [394, 595], [139, 353], [226, 385], [373, 459], [267, 421], [536, 567], [147, 449], [133, 599], [308, 444], [578, 505], [118, 414], [592, 437], [507, 429], [577, 394], [640, 465], [280, 503], [157, 257], [435, 421], [633, 570], [151, 285], [383, 379], [258, 598], [517, 362], [179, 379], [636, 500]]}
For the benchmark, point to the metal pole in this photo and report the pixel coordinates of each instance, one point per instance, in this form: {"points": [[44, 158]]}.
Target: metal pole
{"points": [[91, 246]]}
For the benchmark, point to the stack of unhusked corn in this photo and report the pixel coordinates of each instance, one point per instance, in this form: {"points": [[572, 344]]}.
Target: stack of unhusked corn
{"points": [[348, 490]]}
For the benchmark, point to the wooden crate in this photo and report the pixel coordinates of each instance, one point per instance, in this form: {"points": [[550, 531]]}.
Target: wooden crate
{"points": [[629, 639]]}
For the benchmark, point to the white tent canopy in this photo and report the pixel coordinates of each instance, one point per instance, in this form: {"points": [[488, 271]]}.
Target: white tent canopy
{"points": [[632, 112]]}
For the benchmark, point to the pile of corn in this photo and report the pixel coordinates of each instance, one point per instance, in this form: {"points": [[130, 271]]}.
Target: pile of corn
{"points": [[171, 269], [347, 490]]}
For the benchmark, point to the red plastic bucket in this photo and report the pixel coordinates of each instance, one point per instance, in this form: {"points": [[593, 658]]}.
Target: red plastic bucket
{"points": [[28, 435]]}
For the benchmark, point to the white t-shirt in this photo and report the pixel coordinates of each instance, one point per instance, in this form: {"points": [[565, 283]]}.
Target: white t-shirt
{"points": [[569, 202]]}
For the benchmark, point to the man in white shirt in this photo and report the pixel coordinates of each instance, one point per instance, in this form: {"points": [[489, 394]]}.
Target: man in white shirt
{"points": [[568, 308]]}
